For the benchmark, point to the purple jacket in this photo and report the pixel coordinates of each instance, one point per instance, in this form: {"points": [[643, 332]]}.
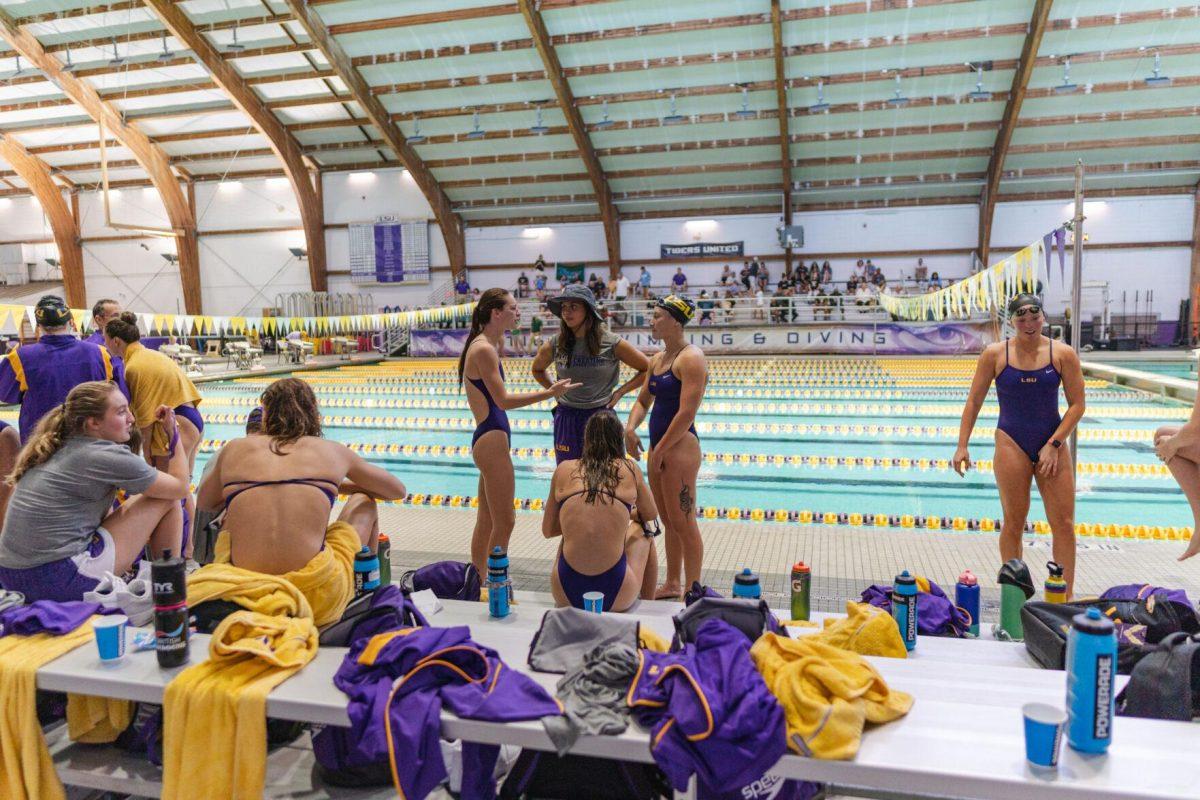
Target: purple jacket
{"points": [[398, 683], [39, 376], [709, 711], [46, 616]]}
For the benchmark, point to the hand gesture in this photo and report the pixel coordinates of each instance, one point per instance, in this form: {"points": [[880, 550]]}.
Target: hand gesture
{"points": [[1166, 449], [633, 445], [1047, 463], [165, 416], [962, 461], [559, 388]]}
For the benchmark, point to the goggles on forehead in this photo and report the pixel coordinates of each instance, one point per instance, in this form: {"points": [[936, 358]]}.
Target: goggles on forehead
{"points": [[1020, 312]]}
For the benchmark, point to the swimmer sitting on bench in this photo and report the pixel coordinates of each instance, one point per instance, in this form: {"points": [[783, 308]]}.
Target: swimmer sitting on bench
{"points": [[592, 505]]}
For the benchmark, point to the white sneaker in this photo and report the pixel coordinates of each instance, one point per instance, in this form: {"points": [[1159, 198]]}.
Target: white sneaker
{"points": [[106, 591], [136, 601]]}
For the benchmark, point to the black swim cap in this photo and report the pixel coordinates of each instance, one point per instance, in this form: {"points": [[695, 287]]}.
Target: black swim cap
{"points": [[678, 306], [52, 312], [1022, 300]]}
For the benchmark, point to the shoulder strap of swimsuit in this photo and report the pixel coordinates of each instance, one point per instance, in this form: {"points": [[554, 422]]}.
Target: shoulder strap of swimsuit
{"points": [[601, 491], [332, 495], [1006, 352]]}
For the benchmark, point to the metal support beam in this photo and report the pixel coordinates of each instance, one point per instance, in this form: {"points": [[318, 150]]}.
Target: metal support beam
{"points": [[1008, 124], [587, 153], [36, 175], [449, 222], [785, 140], [281, 141], [1194, 283]]}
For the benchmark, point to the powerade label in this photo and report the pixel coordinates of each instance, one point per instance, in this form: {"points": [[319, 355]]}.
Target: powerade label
{"points": [[1102, 722], [910, 621]]}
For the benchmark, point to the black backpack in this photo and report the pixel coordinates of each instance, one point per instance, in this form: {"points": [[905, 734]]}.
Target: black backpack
{"points": [[1165, 683], [548, 777]]}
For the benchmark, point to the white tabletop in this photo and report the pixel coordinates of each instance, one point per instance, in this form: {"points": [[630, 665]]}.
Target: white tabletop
{"points": [[963, 737]]}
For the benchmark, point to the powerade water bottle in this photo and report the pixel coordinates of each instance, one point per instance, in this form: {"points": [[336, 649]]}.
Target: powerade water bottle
{"points": [[745, 584], [1056, 584], [497, 582], [801, 590], [904, 608], [966, 597], [1091, 681], [366, 571], [168, 588], [384, 548]]}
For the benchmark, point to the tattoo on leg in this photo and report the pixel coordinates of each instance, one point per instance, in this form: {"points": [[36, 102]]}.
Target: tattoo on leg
{"points": [[685, 500]]}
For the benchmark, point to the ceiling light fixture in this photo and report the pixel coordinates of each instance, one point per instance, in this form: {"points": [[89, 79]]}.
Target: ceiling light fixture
{"points": [[980, 93], [674, 117], [1066, 87], [605, 123], [1157, 79], [235, 44], [117, 57], [476, 132], [166, 53], [745, 112], [417, 137], [70, 66], [19, 69], [819, 106], [897, 101], [538, 127]]}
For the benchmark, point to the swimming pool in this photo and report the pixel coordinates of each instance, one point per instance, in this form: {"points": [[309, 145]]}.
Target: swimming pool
{"points": [[820, 438], [1185, 369]]}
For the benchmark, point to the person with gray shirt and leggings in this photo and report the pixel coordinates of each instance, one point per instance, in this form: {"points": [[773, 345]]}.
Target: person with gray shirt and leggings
{"points": [[586, 352]]}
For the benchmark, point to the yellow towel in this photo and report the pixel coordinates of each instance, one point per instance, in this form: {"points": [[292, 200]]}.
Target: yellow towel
{"points": [[828, 694], [649, 640], [866, 630], [214, 714], [26, 770], [155, 380], [327, 581], [97, 720]]}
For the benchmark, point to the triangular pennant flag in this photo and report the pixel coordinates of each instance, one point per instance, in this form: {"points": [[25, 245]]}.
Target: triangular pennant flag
{"points": [[81, 316], [147, 321], [29, 312]]}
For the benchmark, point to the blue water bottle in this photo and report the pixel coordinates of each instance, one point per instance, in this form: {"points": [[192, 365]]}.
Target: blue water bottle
{"points": [[366, 571], [966, 597], [1091, 681], [497, 582], [904, 608], [745, 584]]}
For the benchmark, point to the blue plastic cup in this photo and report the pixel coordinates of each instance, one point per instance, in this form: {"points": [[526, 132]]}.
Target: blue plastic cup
{"points": [[110, 636], [1043, 733], [594, 602]]}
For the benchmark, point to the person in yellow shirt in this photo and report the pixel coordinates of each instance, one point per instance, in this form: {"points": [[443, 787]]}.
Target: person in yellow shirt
{"points": [[156, 380]]}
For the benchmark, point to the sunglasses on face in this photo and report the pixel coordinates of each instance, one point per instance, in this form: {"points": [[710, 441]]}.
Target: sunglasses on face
{"points": [[1020, 312]]}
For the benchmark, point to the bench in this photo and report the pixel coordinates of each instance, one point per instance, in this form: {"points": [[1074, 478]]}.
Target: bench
{"points": [[963, 737]]}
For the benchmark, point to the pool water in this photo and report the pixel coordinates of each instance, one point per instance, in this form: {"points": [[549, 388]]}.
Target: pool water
{"points": [[1175, 369], [823, 435]]}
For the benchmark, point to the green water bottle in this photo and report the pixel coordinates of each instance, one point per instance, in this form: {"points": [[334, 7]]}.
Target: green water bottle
{"points": [[801, 590], [1016, 586], [384, 549]]}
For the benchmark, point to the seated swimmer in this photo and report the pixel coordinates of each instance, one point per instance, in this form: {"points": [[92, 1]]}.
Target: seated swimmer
{"points": [[596, 504]]}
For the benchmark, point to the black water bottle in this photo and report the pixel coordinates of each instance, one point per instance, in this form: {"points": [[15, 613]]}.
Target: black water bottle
{"points": [[168, 578]]}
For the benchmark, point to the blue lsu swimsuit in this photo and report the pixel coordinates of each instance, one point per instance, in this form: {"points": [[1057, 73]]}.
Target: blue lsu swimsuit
{"points": [[1029, 404], [665, 388], [575, 584], [496, 419]]}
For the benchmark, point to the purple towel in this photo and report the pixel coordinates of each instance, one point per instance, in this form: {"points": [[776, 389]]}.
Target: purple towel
{"points": [[46, 616]]}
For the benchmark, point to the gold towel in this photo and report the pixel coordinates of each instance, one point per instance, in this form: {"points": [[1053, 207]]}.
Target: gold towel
{"points": [[867, 630]]}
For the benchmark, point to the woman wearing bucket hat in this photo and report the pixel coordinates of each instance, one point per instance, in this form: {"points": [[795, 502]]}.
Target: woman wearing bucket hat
{"points": [[672, 394], [588, 353]]}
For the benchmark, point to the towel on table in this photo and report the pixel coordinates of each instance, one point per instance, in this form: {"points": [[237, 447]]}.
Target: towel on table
{"points": [[218, 708], [568, 634], [828, 694], [327, 581], [867, 630]]}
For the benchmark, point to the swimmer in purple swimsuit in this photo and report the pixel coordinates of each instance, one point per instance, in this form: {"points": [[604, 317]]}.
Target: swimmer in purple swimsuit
{"points": [[482, 377], [671, 396], [593, 499], [1030, 434]]}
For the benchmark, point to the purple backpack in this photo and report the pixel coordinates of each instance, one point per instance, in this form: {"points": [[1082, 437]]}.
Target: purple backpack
{"points": [[936, 614], [449, 580], [1141, 591]]}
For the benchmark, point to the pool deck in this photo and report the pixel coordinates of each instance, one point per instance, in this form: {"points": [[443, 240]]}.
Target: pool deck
{"points": [[845, 560], [215, 369], [1164, 385]]}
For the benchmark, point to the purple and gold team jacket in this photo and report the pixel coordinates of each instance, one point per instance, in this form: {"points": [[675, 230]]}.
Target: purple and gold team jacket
{"points": [[399, 681], [709, 711], [39, 376]]}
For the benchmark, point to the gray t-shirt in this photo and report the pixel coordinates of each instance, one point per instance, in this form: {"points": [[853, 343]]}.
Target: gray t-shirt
{"points": [[56, 506], [598, 373]]}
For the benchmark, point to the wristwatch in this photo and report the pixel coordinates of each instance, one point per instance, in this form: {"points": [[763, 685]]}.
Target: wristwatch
{"points": [[1057, 444]]}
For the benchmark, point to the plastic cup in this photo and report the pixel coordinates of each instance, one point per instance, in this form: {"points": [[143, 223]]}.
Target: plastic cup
{"points": [[594, 602], [110, 636], [1043, 733]]}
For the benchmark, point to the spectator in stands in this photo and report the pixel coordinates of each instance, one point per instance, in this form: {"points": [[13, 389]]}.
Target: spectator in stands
{"points": [[729, 305], [597, 285], [879, 281], [621, 292], [860, 271], [522, 286], [102, 313], [39, 376], [760, 303], [835, 303], [744, 276], [779, 301], [935, 282], [679, 281], [705, 304], [764, 276], [61, 534], [727, 277], [851, 286], [827, 274], [814, 275], [864, 295], [644, 283], [539, 283], [462, 289]]}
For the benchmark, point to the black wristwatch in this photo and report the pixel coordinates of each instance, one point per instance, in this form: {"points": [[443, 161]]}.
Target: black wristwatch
{"points": [[1057, 444], [651, 529]]}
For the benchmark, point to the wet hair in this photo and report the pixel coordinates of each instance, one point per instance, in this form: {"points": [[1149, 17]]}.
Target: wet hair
{"points": [[290, 412], [124, 328], [489, 301], [603, 453], [1023, 299], [254, 420], [86, 401]]}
